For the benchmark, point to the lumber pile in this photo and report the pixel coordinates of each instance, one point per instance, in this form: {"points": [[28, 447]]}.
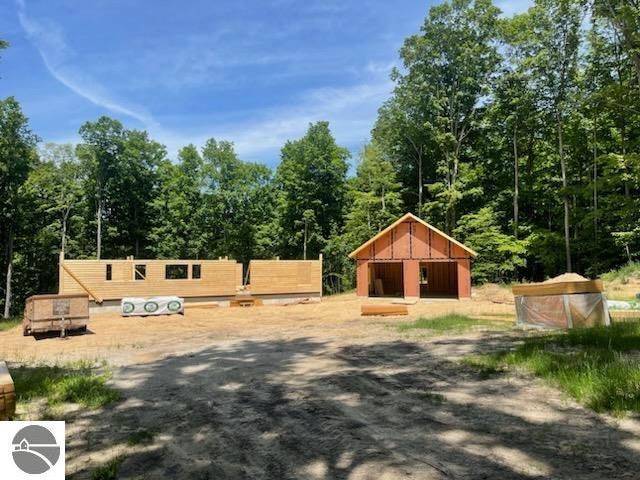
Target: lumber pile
{"points": [[245, 301], [384, 309], [624, 315], [7, 393]]}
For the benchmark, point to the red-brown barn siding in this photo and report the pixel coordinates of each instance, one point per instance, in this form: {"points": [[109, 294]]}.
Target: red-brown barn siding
{"points": [[412, 242]]}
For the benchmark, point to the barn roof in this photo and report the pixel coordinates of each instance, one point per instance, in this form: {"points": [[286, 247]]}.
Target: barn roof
{"points": [[404, 218]]}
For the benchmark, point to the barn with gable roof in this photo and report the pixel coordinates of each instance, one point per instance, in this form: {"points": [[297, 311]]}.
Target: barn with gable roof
{"points": [[413, 259]]}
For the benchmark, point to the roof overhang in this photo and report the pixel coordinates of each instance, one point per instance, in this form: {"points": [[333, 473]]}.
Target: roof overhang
{"points": [[411, 217]]}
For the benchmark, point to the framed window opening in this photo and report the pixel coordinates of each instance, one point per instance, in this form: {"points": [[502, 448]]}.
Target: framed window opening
{"points": [[196, 271], [140, 272], [176, 272]]}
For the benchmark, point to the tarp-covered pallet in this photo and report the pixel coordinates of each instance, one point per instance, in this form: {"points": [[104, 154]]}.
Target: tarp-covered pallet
{"points": [[567, 301], [133, 306], [46, 313]]}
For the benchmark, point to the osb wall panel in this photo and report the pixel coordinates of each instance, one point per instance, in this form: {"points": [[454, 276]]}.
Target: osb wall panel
{"points": [[270, 277], [218, 278]]}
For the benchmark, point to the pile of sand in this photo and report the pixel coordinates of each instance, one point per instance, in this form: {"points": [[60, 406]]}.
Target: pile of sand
{"points": [[567, 277]]}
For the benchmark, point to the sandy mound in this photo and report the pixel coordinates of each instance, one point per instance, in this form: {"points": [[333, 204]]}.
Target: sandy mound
{"points": [[567, 277]]}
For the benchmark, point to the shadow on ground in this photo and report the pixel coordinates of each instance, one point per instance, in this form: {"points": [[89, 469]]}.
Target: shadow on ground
{"points": [[306, 409]]}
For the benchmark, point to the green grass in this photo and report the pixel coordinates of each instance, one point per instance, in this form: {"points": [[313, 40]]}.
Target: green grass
{"points": [[451, 323], [623, 274], [80, 382], [599, 366], [108, 471], [9, 323]]}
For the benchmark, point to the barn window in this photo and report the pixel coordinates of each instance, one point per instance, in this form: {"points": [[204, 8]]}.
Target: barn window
{"points": [[176, 272], [140, 272], [196, 271], [424, 274], [108, 272]]}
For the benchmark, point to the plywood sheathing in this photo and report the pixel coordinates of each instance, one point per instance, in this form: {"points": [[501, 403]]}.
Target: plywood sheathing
{"points": [[272, 277]]}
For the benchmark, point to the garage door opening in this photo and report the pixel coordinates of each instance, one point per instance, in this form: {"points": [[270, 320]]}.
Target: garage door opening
{"points": [[438, 279], [386, 280]]}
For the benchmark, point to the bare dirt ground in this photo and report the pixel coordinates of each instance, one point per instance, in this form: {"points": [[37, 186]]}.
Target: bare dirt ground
{"points": [[318, 392]]}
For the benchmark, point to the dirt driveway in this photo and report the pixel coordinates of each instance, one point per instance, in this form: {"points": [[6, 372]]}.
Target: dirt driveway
{"points": [[308, 392]]}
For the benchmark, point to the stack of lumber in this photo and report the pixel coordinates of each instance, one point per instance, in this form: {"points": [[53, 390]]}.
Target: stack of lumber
{"points": [[245, 300], [384, 309], [7, 393]]}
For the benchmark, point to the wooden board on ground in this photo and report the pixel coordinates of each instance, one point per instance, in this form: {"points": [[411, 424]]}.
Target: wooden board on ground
{"points": [[7, 393], [384, 309], [559, 288]]}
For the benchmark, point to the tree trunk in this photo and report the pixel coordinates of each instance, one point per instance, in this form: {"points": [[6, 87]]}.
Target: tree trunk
{"points": [[65, 218], [137, 232], [99, 233], [7, 296], [595, 189], [516, 175], [563, 167], [304, 247], [420, 182]]}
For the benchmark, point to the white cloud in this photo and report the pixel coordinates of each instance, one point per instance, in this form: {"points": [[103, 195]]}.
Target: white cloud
{"points": [[512, 7], [48, 39], [351, 112]]}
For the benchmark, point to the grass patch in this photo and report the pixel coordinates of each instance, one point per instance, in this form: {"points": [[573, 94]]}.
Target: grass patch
{"points": [[108, 471], [9, 323], [598, 366], [140, 437], [623, 274], [451, 323], [80, 382]]}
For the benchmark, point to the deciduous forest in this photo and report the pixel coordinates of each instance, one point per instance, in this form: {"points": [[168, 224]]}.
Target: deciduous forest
{"points": [[519, 136]]}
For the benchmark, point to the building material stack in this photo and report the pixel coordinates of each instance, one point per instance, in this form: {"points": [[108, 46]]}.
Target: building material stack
{"points": [[7, 393]]}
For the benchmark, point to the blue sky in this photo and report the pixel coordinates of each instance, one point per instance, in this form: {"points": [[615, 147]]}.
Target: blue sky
{"points": [[252, 72]]}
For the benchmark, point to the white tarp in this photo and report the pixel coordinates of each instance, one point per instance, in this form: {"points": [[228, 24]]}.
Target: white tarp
{"points": [[562, 311], [131, 306]]}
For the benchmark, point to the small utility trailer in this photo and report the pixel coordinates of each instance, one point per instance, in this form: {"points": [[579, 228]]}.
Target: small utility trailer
{"points": [[51, 313]]}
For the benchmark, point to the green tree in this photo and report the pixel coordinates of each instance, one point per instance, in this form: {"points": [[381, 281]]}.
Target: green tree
{"points": [[17, 157], [549, 43], [449, 67], [100, 153], [499, 255], [239, 198], [178, 211], [311, 177], [374, 196]]}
